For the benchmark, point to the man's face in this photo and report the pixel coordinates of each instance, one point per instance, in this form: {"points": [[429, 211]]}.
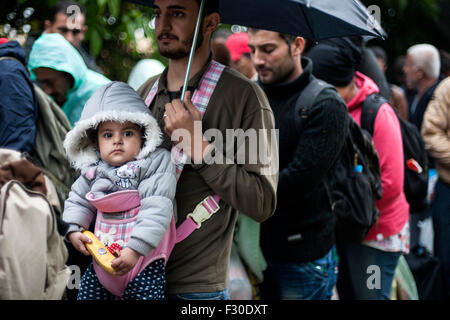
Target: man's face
{"points": [[382, 65], [412, 74], [270, 56], [70, 27], [54, 83], [174, 26]]}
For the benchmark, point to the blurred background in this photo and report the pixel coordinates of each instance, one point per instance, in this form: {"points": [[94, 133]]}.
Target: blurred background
{"points": [[121, 33]]}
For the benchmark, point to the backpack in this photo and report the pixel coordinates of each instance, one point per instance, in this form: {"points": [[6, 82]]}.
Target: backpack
{"points": [[415, 155], [32, 252], [49, 155], [51, 129], [355, 180]]}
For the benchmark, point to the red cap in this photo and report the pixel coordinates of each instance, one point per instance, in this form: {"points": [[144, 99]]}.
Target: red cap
{"points": [[3, 40], [237, 44]]}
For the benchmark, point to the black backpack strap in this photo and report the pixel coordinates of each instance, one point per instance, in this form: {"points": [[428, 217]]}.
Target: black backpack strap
{"points": [[369, 111], [306, 100]]}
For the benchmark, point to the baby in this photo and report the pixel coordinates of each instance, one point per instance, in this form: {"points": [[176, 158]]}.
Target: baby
{"points": [[128, 183]]}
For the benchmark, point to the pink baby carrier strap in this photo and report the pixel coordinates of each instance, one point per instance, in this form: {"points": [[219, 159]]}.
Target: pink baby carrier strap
{"points": [[128, 203]]}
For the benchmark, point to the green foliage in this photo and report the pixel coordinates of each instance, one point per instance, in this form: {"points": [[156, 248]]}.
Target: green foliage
{"points": [[112, 26], [111, 35]]}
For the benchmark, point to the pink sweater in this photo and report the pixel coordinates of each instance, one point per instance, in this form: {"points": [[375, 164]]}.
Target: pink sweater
{"points": [[394, 209]]}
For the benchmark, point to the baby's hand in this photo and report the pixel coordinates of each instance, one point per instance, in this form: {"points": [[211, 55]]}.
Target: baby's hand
{"points": [[78, 240], [125, 262]]}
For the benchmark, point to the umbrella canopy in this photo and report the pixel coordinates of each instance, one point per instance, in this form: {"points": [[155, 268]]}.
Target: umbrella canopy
{"points": [[312, 19]]}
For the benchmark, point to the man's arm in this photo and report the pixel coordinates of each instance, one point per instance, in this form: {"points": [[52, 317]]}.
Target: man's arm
{"points": [[318, 148], [436, 122], [18, 108], [248, 186]]}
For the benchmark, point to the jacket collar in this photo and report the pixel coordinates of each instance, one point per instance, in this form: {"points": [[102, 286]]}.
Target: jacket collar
{"points": [[193, 83]]}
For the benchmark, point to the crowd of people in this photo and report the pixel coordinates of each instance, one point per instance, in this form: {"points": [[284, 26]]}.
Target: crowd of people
{"points": [[150, 183]]}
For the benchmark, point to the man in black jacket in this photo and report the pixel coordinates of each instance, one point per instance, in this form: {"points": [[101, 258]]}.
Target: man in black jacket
{"points": [[298, 240]]}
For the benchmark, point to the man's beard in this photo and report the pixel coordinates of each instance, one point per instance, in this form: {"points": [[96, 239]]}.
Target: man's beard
{"points": [[183, 51], [279, 75]]}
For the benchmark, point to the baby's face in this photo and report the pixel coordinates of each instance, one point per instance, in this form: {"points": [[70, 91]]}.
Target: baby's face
{"points": [[119, 142]]}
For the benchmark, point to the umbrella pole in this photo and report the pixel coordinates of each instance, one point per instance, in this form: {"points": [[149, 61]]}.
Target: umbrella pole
{"points": [[192, 52]]}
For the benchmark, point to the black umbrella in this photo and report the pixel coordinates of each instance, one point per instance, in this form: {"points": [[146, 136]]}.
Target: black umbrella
{"points": [[312, 19]]}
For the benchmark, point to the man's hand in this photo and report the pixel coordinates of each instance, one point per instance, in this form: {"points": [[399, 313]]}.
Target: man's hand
{"points": [[189, 119], [78, 240], [125, 262]]}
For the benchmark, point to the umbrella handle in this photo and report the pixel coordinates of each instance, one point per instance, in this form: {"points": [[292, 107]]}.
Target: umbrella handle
{"points": [[192, 52]]}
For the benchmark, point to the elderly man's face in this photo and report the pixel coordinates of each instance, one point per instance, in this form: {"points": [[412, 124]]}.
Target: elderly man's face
{"points": [[72, 28], [54, 83], [413, 74]]}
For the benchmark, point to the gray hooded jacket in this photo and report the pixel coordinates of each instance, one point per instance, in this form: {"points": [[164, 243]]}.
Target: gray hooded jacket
{"points": [[152, 173]]}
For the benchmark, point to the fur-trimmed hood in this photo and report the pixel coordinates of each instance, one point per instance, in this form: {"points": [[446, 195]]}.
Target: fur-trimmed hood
{"points": [[115, 101]]}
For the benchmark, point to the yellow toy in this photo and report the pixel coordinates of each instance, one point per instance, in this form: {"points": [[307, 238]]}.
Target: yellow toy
{"points": [[99, 252]]}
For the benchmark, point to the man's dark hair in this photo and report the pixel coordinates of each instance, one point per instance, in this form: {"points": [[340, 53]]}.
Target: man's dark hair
{"points": [[288, 38], [211, 6], [379, 53], [398, 66], [63, 7]]}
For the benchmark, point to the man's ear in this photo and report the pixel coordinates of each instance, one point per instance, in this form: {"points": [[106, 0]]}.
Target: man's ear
{"points": [[298, 45], [421, 73], [47, 25], [211, 22]]}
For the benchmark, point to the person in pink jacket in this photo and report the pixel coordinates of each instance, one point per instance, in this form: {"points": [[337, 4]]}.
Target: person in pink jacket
{"points": [[366, 269]]}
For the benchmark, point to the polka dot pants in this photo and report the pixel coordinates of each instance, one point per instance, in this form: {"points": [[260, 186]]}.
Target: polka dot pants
{"points": [[147, 285]]}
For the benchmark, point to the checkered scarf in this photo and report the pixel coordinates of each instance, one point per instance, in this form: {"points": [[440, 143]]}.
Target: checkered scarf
{"points": [[200, 99]]}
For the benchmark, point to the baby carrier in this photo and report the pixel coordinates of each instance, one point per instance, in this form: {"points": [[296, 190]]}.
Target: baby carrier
{"points": [[127, 202]]}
